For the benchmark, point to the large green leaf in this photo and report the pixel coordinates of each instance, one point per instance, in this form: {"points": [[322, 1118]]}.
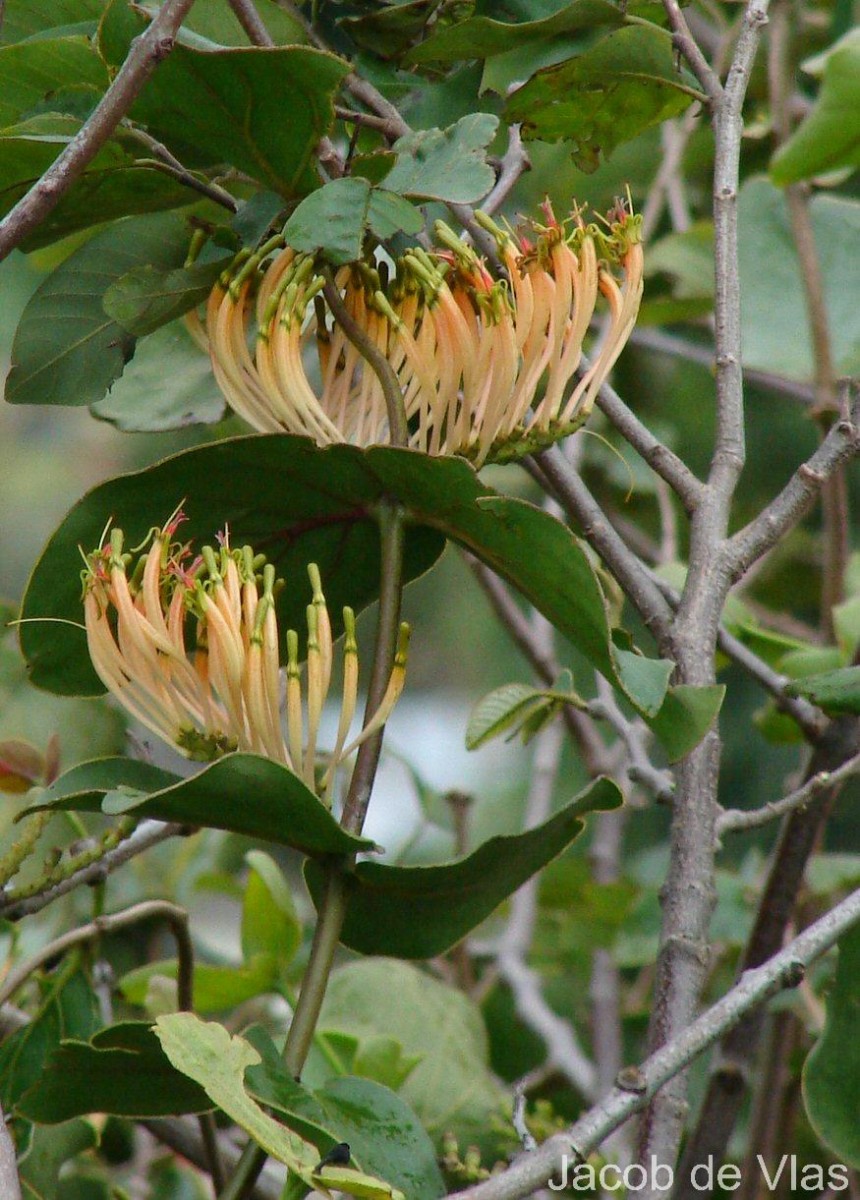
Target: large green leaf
{"points": [[120, 1070], [829, 138], [482, 37], [382, 1131], [167, 385], [775, 323], [32, 71], [242, 793], [263, 110], [419, 912], [446, 164], [831, 1073], [67, 350], [452, 1087], [299, 504], [115, 184], [626, 83], [686, 716]]}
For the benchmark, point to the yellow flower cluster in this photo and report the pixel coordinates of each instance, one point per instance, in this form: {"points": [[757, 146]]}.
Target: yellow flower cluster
{"points": [[482, 363], [189, 645]]}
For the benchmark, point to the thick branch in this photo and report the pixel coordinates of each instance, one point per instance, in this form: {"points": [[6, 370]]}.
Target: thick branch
{"points": [[146, 52], [689, 48], [786, 969]]}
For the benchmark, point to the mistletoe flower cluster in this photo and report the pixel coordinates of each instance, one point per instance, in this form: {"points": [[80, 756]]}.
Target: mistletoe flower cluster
{"points": [[189, 645], [483, 364]]}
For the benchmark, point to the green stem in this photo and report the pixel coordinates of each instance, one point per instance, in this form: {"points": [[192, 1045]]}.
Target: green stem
{"points": [[333, 904]]}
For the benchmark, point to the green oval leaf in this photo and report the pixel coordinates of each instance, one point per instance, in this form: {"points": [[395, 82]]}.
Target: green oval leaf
{"points": [[419, 912], [445, 164], [279, 807]]}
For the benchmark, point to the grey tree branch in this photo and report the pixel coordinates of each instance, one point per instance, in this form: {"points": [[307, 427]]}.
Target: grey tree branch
{"points": [[688, 896], [786, 969], [737, 820], [146, 52], [841, 443], [514, 164], [689, 48], [579, 504], [251, 21]]}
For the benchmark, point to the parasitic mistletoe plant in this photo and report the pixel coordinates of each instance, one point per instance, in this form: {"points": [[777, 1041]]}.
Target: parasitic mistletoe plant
{"points": [[264, 934]]}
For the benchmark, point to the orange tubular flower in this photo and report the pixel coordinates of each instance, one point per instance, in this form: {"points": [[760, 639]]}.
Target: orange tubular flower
{"points": [[484, 365], [189, 646]]}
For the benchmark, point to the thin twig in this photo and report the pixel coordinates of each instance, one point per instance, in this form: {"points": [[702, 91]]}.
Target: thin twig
{"points": [[689, 48], [170, 164], [634, 735], [180, 1135], [737, 820], [147, 51], [562, 1151], [841, 443], [579, 504], [147, 910], [368, 120], [514, 164], [251, 21], [147, 834]]}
